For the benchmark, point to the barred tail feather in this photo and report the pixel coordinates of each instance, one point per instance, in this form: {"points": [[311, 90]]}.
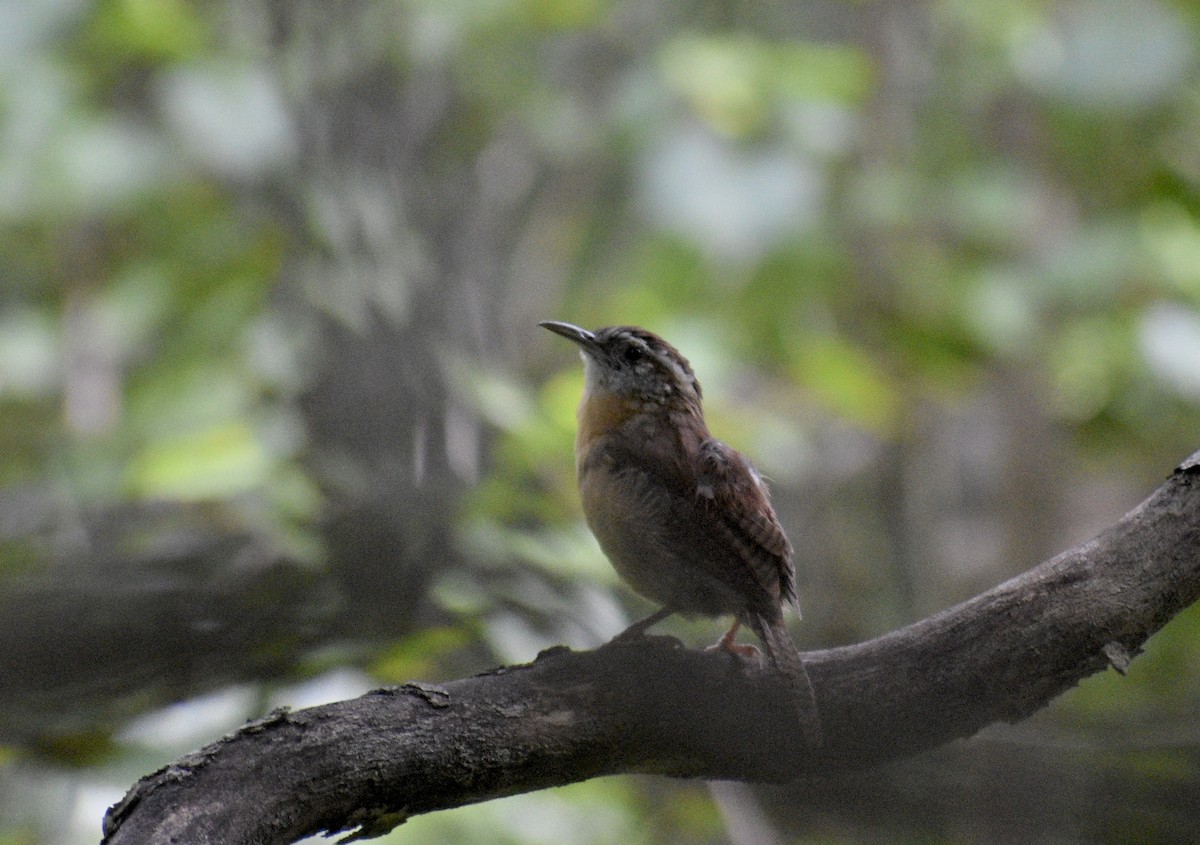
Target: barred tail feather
{"points": [[783, 656]]}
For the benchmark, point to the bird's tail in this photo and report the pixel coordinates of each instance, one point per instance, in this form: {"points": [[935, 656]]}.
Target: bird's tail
{"points": [[785, 659]]}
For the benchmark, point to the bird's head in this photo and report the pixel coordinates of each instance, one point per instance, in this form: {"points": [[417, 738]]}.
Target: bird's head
{"points": [[631, 363]]}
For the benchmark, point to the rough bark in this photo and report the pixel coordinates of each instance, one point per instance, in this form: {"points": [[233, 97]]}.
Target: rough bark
{"points": [[367, 764]]}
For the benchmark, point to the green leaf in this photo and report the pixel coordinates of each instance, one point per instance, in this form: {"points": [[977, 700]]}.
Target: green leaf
{"points": [[847, 381], [211, 464]]}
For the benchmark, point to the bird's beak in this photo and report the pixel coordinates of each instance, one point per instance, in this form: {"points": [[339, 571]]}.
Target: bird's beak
{"points": [[582, 337]]}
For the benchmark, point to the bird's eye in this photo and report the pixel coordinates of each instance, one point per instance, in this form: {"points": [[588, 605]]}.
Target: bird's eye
{"points": [[633, 354]]}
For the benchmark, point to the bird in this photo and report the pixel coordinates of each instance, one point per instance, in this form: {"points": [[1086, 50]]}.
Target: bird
{"points": [[684, 519]]}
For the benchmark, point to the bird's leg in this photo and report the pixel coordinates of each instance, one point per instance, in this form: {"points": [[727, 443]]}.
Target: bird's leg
{"points": [[728, 643], [638, 629]]}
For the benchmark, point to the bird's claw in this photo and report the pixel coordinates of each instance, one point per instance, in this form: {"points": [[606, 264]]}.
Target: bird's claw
{"points": [[746, 651]]}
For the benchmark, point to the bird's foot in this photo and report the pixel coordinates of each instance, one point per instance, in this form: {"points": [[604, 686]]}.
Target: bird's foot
{"points": [[638, 629], [729, 643], [746, 651]]}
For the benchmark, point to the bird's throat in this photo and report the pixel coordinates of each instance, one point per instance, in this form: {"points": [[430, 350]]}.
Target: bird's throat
{"points": [[601, 414]]}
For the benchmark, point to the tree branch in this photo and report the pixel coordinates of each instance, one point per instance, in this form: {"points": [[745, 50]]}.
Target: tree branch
{"points": [[367, 764]]}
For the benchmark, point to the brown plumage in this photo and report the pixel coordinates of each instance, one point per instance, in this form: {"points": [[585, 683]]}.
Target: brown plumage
{"points": [[683, 518]]}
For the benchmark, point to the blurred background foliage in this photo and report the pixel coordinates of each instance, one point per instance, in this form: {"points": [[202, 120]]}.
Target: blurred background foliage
{"points": [[278, 426]]}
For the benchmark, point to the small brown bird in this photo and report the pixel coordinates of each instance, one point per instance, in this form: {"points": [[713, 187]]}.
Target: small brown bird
{"points": [[683, 518]]}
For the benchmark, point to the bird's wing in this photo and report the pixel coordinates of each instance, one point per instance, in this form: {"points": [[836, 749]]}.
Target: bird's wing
{"points": [[721, 509], [736, 502]]}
